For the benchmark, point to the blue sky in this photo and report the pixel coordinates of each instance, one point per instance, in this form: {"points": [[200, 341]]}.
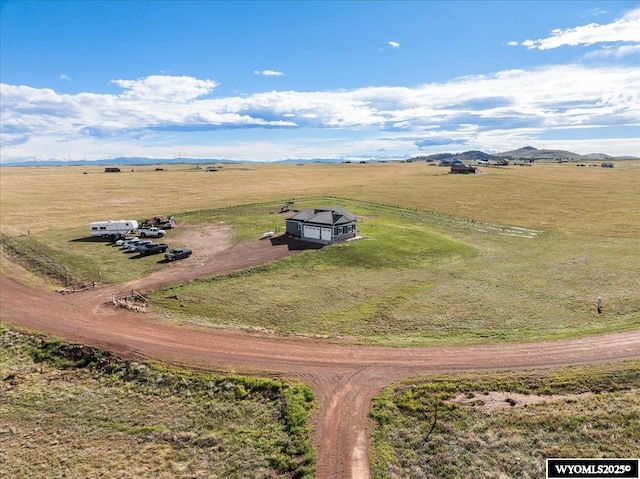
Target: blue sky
{"points": [[328, 79]]}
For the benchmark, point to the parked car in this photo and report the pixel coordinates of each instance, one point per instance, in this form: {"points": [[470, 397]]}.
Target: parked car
{"points": [[133, 247], [152, 249], [178, 253], [119, 237], [125, 239], [127, 244]]}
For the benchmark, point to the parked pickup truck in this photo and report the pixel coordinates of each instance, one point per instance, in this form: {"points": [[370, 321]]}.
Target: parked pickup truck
{"points": [[152, 249], [152, 232], [175, 254]]}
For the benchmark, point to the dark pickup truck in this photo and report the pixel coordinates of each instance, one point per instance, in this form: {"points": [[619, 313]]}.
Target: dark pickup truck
{"points": [[175, 254], [152, 249]]}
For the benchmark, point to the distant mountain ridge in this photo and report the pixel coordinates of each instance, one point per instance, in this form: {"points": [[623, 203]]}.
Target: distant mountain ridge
{"points": [[141, 161], [125, 160], [528, 153]]}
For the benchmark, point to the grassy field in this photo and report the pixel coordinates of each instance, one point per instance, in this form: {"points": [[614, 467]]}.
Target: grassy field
{"points": [[408, 283], [517, 253], [75, 412], [513, 254], [551, 197], [589, 412]]}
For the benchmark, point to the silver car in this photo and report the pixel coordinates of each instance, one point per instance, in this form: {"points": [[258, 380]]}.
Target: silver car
{"points": [[136, 246]]}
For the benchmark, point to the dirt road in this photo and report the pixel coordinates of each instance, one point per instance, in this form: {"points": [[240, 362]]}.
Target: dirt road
{"points": [[345, 378]]}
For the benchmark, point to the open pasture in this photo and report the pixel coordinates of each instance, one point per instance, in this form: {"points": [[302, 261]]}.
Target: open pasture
{"points": [[435, 268], [552, 197]]}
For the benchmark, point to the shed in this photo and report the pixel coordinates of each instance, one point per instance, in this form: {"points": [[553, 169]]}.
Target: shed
{"points": [[110, 169], [463, 169], [322, 225], [607, 164]]}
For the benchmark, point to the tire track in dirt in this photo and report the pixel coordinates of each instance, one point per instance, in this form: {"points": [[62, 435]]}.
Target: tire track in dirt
{"points": [[345, 378]]}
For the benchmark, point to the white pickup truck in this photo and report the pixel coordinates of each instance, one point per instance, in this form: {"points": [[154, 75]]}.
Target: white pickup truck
{"points": [[151, 232]]}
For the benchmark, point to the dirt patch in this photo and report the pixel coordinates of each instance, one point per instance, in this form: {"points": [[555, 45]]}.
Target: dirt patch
{"points": [[204, 240], [213, 254], [494, 400]]}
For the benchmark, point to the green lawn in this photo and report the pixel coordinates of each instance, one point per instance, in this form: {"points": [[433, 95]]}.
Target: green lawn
{"points": [[418, 279]]}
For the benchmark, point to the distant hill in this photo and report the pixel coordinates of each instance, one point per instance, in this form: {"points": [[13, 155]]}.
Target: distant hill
{"points": [[528, 153], [141, 161], [131, 161], [466, 156]]}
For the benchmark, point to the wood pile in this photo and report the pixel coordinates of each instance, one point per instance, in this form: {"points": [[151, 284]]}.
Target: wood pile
{"points": [[132, 300]]}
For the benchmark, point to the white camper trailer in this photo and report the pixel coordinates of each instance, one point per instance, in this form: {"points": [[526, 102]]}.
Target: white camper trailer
{"points": [[113, 228]]}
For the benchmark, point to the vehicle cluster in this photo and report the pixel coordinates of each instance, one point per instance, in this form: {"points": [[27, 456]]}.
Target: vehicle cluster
{"points": [[128, 236], [145, 247]]}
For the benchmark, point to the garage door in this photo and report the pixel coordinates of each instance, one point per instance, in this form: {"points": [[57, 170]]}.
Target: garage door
{"points": [[312, 232], [326, 234]]}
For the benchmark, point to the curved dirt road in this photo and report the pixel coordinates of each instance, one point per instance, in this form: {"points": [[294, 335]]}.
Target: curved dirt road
{"points": [[344, 378]]}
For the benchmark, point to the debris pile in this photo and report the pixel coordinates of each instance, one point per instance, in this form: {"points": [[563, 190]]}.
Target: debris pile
{"points": [[77, 287], [164, 222], [131, 300]]}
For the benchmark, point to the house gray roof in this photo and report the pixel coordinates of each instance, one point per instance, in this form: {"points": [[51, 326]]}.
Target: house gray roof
{"points": [[332, 216]]}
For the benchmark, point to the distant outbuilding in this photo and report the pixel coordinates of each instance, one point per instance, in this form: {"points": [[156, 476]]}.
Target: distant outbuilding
{"points": [[322, 225], [607, 164], [110, 169], [462, 168]]}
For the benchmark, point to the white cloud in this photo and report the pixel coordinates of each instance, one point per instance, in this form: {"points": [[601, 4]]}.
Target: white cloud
{"points": [[166, 88], [65, 77], [394, 44], [614, 52], [625, 29], [268, 73], [155, 115], [595, 12]]}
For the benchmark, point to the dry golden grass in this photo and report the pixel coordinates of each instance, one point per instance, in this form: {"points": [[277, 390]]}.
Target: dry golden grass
{"points": [[515, 289], [564, 198]]}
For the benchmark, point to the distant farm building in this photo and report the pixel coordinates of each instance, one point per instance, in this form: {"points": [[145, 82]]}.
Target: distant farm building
{"points": [[462, 168], [607, 164], [322, 225], [110, 169]]}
